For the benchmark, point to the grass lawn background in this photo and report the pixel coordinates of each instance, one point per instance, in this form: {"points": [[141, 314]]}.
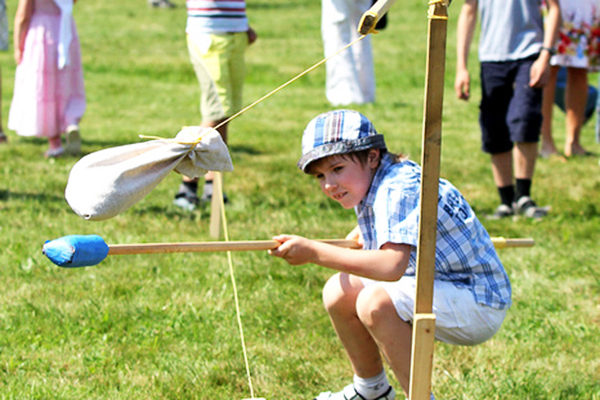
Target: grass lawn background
{"points": [[164, 326]]}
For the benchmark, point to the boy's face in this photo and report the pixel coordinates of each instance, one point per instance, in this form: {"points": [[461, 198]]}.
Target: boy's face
{"points": [[344, 179]]}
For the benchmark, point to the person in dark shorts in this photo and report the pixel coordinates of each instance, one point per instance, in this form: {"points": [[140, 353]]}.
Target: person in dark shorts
{"points": [[514, 52]]}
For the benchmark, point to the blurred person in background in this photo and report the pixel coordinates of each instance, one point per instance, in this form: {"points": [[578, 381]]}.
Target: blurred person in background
{"points": [[218, 34], [49, 93], [3, 47], [578, 49], [514, 54], [350, 75]]}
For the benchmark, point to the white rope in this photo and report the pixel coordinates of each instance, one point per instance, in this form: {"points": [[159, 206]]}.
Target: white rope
{"points": [[219, 187], [300, 75]]}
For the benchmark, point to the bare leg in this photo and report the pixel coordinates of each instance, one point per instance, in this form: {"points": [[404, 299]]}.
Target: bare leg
{"points": [[339, 296], [393, 335], [524, 155], [575, 101], [548, 147], [55, 147], [502, 168]]}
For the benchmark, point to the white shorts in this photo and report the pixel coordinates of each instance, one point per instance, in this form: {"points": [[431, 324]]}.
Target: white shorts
{"points": [[458, 318]]}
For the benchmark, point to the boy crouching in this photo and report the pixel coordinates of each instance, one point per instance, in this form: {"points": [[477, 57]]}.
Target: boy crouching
{"points": [[371, 300]]}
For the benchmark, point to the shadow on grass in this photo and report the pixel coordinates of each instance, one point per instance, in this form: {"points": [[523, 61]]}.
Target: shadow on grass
{"points": [[40, 197], [242, 148], [170, 212], [104, 144], [93, 142]]}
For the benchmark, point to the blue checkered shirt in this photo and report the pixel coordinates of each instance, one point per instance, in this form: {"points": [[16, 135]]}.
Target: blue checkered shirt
{"points": [[465, 254]]}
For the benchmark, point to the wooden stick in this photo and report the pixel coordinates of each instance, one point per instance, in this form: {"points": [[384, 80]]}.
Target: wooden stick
{"points": [[199, 247], [215, 206], [372, 15], [256, 245], [422, 349], [424, 320], [501, 243]]}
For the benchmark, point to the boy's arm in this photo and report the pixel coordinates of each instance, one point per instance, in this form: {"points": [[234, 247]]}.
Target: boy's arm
{"points": [[464, 36], [540, 70], [387, 264]]}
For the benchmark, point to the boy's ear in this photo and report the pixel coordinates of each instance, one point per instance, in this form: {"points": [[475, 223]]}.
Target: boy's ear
{"points": [[374, 158]]}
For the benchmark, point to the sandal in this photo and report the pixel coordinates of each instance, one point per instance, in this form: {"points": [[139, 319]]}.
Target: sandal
{"points": [[503, 211]]}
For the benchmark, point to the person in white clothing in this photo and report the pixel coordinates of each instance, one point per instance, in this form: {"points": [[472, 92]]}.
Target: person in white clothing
{"points": [[350, 74]]}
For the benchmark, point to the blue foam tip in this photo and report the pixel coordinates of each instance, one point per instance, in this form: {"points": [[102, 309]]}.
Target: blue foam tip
{"points": [[76, 251]]}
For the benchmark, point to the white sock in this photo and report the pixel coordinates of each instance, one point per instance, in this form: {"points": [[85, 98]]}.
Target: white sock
{"points": [[371, 388]]}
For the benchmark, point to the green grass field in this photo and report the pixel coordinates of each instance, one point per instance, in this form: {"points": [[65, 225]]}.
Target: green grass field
{"points": [[164, 326]]}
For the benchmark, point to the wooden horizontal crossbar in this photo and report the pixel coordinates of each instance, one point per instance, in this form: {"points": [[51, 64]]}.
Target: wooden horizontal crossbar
{"points": [[256, 245]]}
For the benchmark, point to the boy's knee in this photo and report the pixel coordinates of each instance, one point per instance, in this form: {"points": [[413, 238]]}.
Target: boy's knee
{"points": [[340, 290], [374, 305]]}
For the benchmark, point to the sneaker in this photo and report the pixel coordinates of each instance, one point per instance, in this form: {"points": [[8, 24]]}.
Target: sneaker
{"points": [[349, 393], [207, 193], [54, 153], [73, 145], [502, 211], [3, 137], [187, 201], [527, 207], [161, 4]]}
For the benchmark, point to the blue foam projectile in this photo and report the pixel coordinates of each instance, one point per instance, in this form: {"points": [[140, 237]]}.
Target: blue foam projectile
{"points": [[76, 251]]}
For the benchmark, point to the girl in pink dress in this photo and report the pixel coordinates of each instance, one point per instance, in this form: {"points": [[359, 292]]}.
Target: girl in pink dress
{"points": [[49, 93]]}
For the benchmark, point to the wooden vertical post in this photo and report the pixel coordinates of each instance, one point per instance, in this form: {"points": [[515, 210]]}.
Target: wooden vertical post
{"points": [[424, 320], [215, 206]]}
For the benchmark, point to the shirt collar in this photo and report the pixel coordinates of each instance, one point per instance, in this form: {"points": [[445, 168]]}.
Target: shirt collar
{"points": [[367, 201]]}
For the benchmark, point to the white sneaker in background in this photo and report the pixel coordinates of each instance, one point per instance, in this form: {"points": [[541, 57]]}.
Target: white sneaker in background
{"points": [[73, 137]]}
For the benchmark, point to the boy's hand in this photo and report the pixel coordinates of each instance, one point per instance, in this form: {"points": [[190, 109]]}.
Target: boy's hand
{"points": [[296, 250], [252, 36], [356, 235], [539, 75], [462, 85]]}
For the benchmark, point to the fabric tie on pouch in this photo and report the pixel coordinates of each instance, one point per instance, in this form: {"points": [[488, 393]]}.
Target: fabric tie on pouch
{"points": [[108, 182], [66, 34]]}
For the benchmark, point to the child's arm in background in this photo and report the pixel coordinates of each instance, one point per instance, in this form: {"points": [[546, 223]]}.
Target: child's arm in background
{"points": [[252, 36], [385, 264], [540, 69], [467, 21], [22, 18]]}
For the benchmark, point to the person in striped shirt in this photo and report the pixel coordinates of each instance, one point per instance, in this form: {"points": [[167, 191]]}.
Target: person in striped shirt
{"points": [[218, 34]]}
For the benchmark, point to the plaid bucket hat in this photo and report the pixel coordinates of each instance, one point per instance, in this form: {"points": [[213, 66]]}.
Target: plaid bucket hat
{"points": [[338, 132]]}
